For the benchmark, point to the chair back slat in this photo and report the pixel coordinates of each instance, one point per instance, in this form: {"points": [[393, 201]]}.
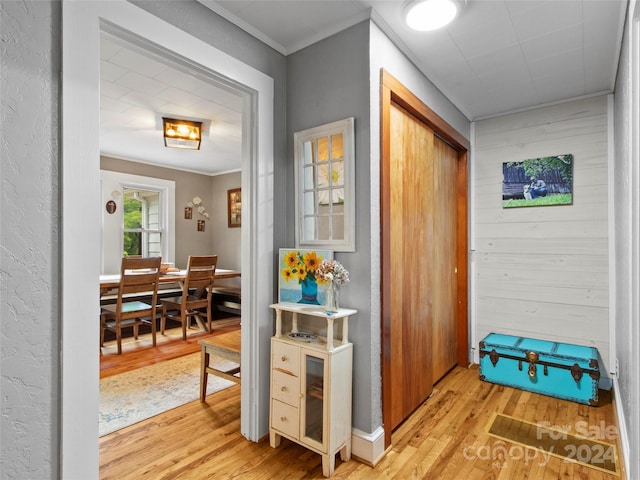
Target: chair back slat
{"points": [[139, 275], [201, 272], [139, 282]]}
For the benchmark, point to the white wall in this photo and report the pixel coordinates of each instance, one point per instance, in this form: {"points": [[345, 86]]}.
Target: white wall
{"points": [[29, 239], [626, 177], [542, 272]]}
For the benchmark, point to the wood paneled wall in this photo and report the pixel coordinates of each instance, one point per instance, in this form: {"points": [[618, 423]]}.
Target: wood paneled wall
{"points": [[543, 271]]}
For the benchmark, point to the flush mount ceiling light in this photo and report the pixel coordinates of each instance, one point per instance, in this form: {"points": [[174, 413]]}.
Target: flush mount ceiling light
{"points": [[182, 133], [425, 15]]}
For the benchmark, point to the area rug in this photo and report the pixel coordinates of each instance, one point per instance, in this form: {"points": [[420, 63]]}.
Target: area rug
{"points": [[589, 452], [134, 396]]}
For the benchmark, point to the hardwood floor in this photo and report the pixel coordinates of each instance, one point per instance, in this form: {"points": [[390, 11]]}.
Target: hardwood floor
{"points": [[139, 353], [445, 438]]}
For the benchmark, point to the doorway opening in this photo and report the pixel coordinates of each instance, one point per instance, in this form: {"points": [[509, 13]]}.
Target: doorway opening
{"points": [[140, 84], [82, 24]]}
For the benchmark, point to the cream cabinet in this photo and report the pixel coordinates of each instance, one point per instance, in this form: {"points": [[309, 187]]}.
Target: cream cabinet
{"points": [[311, 380]]}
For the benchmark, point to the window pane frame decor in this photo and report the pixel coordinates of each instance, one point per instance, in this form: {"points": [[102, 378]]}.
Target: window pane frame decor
{"points": [[325, 186]]}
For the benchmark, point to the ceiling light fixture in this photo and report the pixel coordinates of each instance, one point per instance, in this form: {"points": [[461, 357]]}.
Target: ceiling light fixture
{"points": [[425, 15], [182, 133]]}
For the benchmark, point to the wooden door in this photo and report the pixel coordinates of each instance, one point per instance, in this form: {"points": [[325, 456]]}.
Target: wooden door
{"points": [[443, 268], [411, 241], [424, 279]]}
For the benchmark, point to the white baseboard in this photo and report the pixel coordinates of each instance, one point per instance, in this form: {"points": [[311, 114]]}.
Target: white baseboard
{"points": [[622, 427], [368, 447], [605, 383]]}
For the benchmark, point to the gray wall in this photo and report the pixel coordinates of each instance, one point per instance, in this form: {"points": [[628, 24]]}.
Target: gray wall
{"points": [[29, 224], [328, 81], [225, 240], [626, 175], [188, 185], [337, 78]]}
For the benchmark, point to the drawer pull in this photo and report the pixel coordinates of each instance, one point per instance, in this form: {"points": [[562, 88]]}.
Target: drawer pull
{"points": [[283, 419], [283, 358], [283, 389]]}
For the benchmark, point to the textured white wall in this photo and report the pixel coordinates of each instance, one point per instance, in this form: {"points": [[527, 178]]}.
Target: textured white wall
{"points": [[29, 219], [626, 174], [542, 272]]}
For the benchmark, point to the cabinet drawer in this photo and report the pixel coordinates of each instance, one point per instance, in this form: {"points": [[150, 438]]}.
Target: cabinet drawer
{"points": [[285, 418], [286, 358], [285, 388]]}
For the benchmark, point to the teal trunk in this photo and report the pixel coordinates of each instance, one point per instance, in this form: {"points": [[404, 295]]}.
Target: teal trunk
{"points": [[559, 370]]}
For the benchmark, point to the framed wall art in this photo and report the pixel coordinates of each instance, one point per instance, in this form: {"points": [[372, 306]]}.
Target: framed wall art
{"points": [[297, 281], [538, 182], [234, 207]]}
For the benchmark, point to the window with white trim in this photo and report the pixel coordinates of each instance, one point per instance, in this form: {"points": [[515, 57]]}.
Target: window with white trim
{"points": [[142, 229], [138, 218]]}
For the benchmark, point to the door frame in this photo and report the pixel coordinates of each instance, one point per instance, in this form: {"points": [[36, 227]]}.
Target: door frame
{"points": [[80, 225], [392, 91]]}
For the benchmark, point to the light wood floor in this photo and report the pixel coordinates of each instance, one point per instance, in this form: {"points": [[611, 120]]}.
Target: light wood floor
{"points": [[445, 438], [140, 353]]}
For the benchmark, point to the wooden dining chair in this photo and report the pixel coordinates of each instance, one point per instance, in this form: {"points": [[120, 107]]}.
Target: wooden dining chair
{"points": [[201, 271], [137, 276]]}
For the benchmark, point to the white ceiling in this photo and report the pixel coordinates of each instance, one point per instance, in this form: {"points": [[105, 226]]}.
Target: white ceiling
{"points": [[138, 88], [499, 56]]}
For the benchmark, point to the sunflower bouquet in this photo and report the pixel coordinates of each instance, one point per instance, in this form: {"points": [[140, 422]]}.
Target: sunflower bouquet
{"points": [[301, 266]]}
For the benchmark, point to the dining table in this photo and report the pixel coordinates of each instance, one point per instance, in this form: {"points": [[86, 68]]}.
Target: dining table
{"points": [[111, 281], [109, 284]]}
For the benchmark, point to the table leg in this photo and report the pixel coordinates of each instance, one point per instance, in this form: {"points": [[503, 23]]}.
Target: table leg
{"points": [[204, 363]]}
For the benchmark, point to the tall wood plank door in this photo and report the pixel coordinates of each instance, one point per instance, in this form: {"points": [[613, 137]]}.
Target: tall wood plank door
{"points": [[423, 204], [411, 243], [444, 289], [424, 245]]}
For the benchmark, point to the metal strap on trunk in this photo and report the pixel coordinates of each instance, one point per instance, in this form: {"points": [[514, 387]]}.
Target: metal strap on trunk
{"points": [[533, 359]]}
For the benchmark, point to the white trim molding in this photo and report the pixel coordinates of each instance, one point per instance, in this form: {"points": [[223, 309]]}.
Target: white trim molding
{"points": [[368, 447], [622, 427], [82, 23]]}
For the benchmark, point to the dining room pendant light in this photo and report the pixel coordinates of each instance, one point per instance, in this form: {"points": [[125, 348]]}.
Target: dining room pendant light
{"points": [[426, 15], [182, 133]]}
